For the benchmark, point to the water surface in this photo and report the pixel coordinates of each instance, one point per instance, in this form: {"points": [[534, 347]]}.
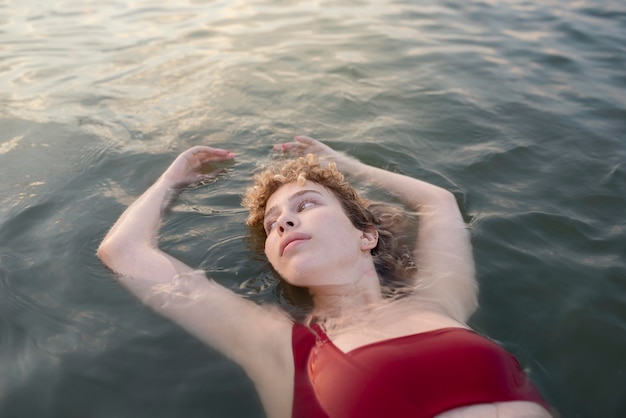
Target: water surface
{"points": [[518, 107]]}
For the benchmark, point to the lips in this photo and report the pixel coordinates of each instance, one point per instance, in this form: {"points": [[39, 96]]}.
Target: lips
{"points": [[289, 238]]}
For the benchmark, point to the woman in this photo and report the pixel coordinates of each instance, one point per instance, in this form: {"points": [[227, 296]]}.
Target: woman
{"points": [[361, 351]]}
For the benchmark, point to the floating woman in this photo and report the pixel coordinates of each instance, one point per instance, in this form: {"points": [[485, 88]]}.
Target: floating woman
{"points": [[386, 335]]}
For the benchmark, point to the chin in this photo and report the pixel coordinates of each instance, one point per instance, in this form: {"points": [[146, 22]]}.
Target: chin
{"points": [[297, 280], [294, 275]]}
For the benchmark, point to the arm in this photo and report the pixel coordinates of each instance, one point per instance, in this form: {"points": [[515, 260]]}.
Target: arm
{"points": [[239, 328], [443, 253]]}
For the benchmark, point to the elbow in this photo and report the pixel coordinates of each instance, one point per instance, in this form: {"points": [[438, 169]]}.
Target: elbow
{"points": [[446, 197], [110, 252], [104, 252], [436, 198], [123, 256]]}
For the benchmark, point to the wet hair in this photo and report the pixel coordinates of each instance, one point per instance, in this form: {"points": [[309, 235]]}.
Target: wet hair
{"points": [[392, 256]]}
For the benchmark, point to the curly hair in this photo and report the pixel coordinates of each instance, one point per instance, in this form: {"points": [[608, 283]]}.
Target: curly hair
{"points": [[392, 256]]}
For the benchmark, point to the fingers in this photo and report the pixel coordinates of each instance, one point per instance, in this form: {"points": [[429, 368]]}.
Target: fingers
{"points": [[205, 154], [220, 156], [288, 147], [300, 145], [306, 140]]}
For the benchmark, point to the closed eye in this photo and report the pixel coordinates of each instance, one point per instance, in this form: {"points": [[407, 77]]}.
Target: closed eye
{"points": [[269, 225], [306, 204]]}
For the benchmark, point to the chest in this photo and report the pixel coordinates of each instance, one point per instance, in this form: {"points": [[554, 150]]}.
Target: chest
{"points": [[418, 375], [383, 325]]}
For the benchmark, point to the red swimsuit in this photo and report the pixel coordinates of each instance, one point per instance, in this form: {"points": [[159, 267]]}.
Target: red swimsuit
{"points": [[416, 376]]}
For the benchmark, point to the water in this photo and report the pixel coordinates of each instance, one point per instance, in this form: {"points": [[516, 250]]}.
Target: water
{"points": [[519, 107]]}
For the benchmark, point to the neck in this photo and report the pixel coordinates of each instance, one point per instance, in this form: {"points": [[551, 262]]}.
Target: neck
{"points": [[337, 301]]}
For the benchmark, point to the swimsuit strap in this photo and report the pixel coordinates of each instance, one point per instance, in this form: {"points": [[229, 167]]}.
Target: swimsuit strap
{"points": [[319, 332]]}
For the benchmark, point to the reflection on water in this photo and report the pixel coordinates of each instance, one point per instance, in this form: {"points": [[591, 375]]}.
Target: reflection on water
{"points": [[517, 107]]}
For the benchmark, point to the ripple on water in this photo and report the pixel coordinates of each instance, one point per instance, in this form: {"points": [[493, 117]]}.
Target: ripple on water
{"points": [[10, 299], [517, 105]]}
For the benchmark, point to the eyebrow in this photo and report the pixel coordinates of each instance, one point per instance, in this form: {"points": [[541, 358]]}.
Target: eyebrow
{"points": [[291, 198]]}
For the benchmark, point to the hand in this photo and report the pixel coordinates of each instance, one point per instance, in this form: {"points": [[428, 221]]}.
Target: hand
{"points": [[303, 145], [187, 168]]}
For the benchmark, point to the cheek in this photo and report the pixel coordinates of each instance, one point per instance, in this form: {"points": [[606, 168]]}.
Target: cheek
{"points": [[268, 248]]}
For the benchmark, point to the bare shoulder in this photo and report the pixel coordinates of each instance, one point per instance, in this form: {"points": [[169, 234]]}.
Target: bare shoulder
{"points": [[257, 337], [269, 361], [446, 274], [241, 329]]}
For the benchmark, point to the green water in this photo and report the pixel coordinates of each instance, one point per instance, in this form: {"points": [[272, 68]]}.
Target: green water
{"points": [[518, 107]]}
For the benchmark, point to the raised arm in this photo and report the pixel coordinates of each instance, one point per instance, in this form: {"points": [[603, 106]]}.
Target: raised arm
{"points": [[130, 247], [443, 254], [239, 328]]}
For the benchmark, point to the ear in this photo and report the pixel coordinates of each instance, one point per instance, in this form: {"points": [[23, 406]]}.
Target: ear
{"points": [[369, 238]]}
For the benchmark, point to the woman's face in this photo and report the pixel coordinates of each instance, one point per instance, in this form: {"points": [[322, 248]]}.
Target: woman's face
{"points": [[310, 240]]}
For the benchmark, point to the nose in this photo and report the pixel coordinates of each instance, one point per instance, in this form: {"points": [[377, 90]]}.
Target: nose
{"points": [[285, 223]]}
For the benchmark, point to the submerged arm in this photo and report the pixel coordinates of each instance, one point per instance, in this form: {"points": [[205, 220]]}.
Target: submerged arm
{"points": [[130, 248], [206, 309], [443, 253]]}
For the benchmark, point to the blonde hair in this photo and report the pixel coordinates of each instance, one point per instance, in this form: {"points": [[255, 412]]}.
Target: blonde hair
{"points": [[392, 256]]}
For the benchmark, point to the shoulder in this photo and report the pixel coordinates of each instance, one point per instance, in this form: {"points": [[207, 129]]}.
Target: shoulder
{"points": [[270, 362]]}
